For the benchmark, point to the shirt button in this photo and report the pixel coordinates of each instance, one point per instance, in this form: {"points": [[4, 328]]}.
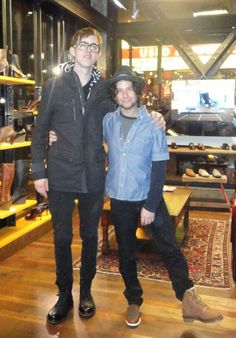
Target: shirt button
{"points": [[123, 154]]}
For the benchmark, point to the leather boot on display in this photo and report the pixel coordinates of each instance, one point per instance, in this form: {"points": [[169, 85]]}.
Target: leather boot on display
{"points": [[7, 176], [21, 179], [17, 72], [62, 307], [4, 65], [87, 306], [193, 308], [6, 133]]}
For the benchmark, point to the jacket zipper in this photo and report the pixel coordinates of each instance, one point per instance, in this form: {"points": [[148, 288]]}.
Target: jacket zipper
{"points": [[80, 95], [73, 102]]}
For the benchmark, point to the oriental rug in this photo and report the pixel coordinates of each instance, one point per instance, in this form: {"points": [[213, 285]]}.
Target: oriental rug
{"points": [[206, 246]]}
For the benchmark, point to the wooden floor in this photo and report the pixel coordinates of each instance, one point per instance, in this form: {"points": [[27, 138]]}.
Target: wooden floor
{"points": [[27, 291]]}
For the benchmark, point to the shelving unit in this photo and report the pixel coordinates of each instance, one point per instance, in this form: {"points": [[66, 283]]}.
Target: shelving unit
{"points": [[207, 192], [16, 232]]}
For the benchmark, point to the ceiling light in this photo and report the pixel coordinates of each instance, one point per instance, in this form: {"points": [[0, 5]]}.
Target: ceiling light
{"points": [[135, 10], [119, 4], [210, 12]]}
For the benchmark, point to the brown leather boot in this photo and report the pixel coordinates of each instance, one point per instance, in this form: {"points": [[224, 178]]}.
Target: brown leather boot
{"points": [[193, 308], [7, 176], [4, 65], [6, 133]]}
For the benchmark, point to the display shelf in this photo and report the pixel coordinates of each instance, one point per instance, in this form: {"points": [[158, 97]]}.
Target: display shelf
{"points": [[16, 208], [8, 146], [186, 150], [8, 80], [12, 239], [201, 179]]}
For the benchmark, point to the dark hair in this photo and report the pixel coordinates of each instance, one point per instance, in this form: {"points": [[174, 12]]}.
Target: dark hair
{"points": [[85, 32], [138, 89]]}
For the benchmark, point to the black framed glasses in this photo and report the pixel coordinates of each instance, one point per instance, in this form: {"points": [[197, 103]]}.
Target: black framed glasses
{"points": [[83, 45]]}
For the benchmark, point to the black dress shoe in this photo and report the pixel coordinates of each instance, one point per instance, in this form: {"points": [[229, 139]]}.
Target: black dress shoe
{"points": [[60, 310], [87, 307]]}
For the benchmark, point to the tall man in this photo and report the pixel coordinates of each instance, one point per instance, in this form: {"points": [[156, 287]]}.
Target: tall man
{"points": [[137, 156], [73, 105]]}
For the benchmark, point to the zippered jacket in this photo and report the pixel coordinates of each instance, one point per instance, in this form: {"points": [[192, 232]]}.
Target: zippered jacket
{"points": [[76, 161]]}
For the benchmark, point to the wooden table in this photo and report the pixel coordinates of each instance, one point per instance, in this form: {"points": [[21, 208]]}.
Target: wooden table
{"points": [[177, 203]]}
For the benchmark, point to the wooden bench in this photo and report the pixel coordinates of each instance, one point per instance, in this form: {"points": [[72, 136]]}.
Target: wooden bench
{"points": [[177, 203]]}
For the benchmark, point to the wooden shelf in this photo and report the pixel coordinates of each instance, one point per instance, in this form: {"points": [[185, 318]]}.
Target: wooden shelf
{"points": [[16, 208], [186, 150], [7, 146], [201, 179], [12, 239], [7, 80]]}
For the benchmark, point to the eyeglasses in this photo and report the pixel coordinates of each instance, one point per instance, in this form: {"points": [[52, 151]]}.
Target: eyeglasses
{"points": [[83, 45]]}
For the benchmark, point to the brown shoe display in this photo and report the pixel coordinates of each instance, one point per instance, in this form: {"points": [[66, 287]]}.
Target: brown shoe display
{"points": [[133, 315], [189, 172], [193, 308]]}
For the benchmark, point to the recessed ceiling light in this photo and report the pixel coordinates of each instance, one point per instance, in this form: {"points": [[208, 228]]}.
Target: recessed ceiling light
{"points": [[210, 12], [119, 4]]}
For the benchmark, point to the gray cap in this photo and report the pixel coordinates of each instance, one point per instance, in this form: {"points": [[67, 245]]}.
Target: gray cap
{"points": [[125, 73]]}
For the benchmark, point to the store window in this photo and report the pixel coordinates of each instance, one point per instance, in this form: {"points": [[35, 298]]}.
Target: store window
{"points": [[23, 37]]}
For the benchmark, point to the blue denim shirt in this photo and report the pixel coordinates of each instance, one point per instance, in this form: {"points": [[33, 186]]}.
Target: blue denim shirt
{"points": [[130, 160]]}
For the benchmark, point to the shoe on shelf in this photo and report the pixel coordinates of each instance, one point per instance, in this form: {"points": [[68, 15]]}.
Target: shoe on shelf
{"points": [[193, 308], [203, 173], [189, 172], [87, 306], [225, 146], [233, 147], [133, 315], [201, 146], [211, 159], [222, 160], [216, 173], [200, 160], [60, 310], [191, 146], [173, 145]]}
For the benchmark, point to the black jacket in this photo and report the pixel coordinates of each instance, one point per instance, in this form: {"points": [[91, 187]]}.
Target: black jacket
{"points": [[76, 162]]}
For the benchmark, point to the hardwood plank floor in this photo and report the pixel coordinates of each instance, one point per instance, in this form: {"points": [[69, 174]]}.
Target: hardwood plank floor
{"points": [[27, 292]]}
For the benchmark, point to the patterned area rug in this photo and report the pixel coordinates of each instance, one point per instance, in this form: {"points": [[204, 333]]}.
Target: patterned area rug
{"points": [[206, 247]]}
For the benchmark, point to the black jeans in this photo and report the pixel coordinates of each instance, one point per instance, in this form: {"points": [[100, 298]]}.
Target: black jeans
{"points": [[61, 205], [125, 216]]}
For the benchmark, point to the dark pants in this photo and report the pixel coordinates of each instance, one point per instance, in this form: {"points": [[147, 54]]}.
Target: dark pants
{"points": [[126, 217], [61, 205]]}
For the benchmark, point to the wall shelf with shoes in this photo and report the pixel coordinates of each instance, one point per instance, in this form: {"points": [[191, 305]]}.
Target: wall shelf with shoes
{"points": [[12, 239], [16, 208]]}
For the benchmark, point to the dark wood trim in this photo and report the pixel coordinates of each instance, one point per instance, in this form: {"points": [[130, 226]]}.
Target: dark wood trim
{"points": [[86, 12]]}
